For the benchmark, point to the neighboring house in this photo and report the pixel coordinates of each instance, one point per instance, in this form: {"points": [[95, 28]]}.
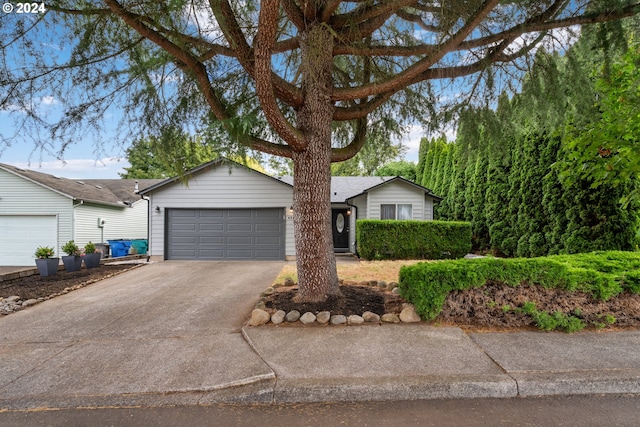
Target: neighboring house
{"points": [[224, 210], [38, 209]]}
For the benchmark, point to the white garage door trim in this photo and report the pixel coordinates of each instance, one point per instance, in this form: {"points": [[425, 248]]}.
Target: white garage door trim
{"points": [[225, 234], [20, 235]]}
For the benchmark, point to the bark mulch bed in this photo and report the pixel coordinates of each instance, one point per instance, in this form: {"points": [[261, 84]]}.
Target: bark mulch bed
{"points": [[36, 286]]}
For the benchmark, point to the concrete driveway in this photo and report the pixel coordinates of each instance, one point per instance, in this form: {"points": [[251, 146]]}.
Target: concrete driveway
{"points": [[164, 333]]}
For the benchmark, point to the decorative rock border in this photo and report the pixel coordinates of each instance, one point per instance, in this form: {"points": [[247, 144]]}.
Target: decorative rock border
{"points": [[260, 316]]}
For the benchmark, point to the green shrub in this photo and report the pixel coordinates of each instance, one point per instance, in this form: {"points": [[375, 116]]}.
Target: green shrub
{"points": [[389, 239], [602, 274], [71, 249]]}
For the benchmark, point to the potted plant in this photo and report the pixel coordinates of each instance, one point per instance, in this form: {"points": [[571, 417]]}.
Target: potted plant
{"points": [[45, 261], [91, 256], [72, 261]]}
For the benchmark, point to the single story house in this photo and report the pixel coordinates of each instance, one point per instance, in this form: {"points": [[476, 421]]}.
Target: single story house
{"points": [[38, 209], [224, 210]]}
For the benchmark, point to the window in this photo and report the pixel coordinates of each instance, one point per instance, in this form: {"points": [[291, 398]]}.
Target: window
{"points": [[404, 211], [387, 211]]}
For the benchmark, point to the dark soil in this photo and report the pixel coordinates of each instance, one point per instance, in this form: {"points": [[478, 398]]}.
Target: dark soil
{"points": [[37, 286], [496, 305], [354, 300]]}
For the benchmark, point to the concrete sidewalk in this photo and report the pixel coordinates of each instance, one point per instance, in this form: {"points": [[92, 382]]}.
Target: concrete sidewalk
{"points": [[171, 334]]}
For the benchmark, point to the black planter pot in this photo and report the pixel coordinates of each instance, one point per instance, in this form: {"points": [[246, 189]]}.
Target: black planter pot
{"points": [[92, 260], [47, 266], [72, 263]]}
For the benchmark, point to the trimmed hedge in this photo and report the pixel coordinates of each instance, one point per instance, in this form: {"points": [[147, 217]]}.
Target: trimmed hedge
{"points": [[602, 274], [393, 239]]}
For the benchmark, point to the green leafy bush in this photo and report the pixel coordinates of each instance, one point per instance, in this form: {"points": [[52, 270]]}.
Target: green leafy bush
{"points": [[71, 249], [43, 252], [89, 248], [602, 274], [389, 239]]}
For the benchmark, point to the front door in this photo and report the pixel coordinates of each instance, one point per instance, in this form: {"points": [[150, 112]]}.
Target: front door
{"points": [[340, 227]]}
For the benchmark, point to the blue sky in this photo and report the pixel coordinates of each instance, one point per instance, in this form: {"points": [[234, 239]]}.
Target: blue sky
{"points": [[80, 162]]}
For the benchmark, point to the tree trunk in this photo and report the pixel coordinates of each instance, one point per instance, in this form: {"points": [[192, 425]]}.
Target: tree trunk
{"points": [[315, 259]]}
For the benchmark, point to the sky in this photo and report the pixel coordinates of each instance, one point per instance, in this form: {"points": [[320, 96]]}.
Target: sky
{"points": [[81, 163]]}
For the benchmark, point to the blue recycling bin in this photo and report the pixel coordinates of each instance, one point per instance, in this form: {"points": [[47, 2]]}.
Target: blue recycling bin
{"points": [[119, 248]]}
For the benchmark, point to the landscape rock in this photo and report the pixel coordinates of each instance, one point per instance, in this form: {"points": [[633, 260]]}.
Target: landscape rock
{"points": [[261, 305], [395, 291], [354, 319], [392, 285], [289, 282], [278, 317], [13, 298], [29, 302], [308, 318], [369, 316], [382, 284], [292, 316], [390, 318], [259, 317], [409, 315], [338, 319], [323, 317]]}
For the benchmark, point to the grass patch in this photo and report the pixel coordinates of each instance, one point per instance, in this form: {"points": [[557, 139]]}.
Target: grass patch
{"points": [[356, 271]]}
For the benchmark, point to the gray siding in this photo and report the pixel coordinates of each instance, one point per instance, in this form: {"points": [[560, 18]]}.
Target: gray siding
{"points": [[120, 223], [398, 192], [220, 187], [19, 196]]}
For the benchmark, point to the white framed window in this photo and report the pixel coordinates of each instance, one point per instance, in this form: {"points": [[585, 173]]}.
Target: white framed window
{"points": [[399, 211], [405, 212]]}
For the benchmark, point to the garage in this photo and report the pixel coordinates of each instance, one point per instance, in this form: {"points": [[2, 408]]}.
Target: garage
{"points": [[20, 235], [225, 234]]}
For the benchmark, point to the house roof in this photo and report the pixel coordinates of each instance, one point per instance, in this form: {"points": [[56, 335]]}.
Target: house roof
{"points": [[396, 179], [192, 172], [116, 192], [343, 188], [347, 187]]}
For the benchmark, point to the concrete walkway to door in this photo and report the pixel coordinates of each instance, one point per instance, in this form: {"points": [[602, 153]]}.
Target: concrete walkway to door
{"points": [[164, 333]]}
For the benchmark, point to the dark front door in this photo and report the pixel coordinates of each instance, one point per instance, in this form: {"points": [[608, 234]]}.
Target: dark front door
{"points": [[340, 227]]}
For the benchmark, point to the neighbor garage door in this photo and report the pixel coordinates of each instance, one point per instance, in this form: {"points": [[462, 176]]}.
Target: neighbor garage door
{"points": [[20, 235], [231, 234]]}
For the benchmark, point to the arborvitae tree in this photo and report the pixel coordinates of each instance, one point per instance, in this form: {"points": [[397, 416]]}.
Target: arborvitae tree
{"points": [[554, 198], [445, 209], [498, 168], [442, 209], [422, 157], [441, 160], [425, 179]]}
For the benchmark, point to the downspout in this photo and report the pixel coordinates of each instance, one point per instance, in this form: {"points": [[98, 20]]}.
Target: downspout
{"points": [[145, 198], [353, 208]]}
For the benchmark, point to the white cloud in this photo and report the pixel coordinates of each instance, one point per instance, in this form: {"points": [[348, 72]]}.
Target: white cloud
{"points": [[49, 100], [106, 168]]}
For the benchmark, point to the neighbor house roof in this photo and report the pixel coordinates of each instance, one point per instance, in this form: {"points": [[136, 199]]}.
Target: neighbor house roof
{"points": [[116, 192]]}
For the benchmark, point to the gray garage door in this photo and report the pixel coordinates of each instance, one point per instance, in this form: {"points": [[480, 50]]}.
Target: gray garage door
{"points": [[231, 234]]}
